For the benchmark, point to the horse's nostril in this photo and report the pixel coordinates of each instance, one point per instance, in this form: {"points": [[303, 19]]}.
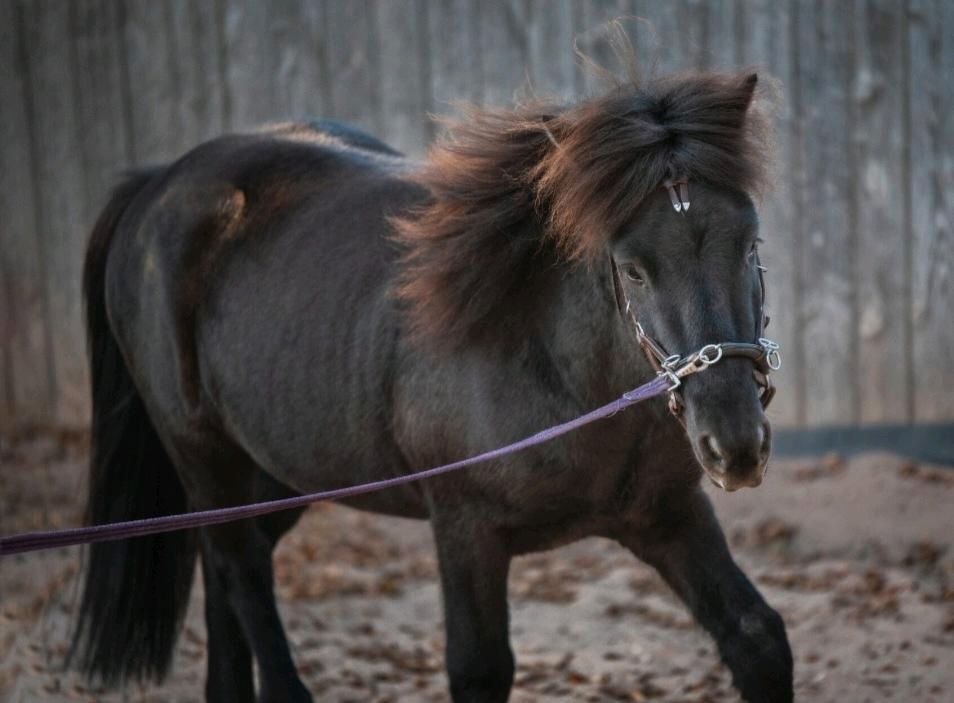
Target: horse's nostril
{"points": [[712, 451]]}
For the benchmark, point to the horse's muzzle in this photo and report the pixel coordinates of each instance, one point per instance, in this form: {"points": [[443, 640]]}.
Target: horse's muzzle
{"points": [[735, 457]]}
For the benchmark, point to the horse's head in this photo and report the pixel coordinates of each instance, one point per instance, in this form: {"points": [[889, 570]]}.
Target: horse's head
{"points": [[514, 191], [615, 178], [692, 279]]}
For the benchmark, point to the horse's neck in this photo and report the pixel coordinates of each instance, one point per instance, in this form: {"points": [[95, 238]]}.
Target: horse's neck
{"points": [[588, 336]]}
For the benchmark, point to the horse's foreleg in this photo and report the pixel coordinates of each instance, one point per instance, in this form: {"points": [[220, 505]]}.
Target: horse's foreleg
{"points": [[692, 556], [474, 566]]}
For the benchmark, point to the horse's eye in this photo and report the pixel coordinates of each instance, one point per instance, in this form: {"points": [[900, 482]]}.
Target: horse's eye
{"points": [[633, 274]]}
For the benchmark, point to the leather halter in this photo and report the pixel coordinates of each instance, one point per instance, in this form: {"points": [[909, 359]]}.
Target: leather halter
{"points": [[763, 353]]}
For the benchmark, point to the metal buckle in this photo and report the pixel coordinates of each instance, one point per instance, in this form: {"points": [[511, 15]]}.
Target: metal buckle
{"points": [[772, 356], [675, 367], [671, 372]]}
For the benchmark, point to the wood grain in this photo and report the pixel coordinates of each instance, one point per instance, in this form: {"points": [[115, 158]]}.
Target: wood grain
{"points": [[504, 51], [454, 42], [877, 93], [355, 64], [932, 207], [61, 199], [405, 81], [26, 374], [826, 193]]}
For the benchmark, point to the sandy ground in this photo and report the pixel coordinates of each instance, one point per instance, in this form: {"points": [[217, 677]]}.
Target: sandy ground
{"points": [[855, 555]]}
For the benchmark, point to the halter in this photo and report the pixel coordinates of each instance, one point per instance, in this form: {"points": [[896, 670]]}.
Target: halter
{"points": [[763, 353]]}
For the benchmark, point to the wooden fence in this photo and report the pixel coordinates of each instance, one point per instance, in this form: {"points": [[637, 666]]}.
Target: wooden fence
{"points": [[859, 240]]}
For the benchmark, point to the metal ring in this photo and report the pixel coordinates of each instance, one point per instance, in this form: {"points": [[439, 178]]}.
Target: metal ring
{"points": [[710, 354], [772, 356]]}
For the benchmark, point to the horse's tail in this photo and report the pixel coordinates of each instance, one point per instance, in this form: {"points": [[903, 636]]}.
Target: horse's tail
{"points": [[136, 590]]}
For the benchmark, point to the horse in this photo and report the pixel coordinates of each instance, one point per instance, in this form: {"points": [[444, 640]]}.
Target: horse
{"points": [[303, 308]]}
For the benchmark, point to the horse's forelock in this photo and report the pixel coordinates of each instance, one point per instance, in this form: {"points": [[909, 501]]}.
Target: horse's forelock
{"points": [[617, 149]]}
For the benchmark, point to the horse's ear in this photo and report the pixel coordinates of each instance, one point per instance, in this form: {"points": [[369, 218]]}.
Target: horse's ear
{"points": [[747, 89]]}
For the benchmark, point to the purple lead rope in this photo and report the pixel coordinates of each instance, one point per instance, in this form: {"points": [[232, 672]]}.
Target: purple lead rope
{"points": [[35, 541]]}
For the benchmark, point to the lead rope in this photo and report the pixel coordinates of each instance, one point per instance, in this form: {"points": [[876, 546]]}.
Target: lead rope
{"points": [[35, 541]]}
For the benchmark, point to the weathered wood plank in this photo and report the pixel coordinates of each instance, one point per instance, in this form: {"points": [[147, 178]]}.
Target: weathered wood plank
{"points": [[707, 28], [355, 64], [931, 134], [273, 55], [105, 147], [825, 68], [941, 349], [7, 412], [593, 37], [61, 200], [249, 74], [297, 45], [26, 375], [201, 102], [662, 40], [694, 30], [877, 94], [550, 49], [454, 40], [246, 64], [401, 28], [504, 51], [153, 69], [765, 45], [176, 85], [722, 46]]}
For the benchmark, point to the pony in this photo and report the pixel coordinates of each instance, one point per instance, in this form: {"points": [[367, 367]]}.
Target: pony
{"points": [[302, 308]]}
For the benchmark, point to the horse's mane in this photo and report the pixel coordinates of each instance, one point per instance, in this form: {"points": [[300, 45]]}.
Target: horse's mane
{"points": [[513, 191]]}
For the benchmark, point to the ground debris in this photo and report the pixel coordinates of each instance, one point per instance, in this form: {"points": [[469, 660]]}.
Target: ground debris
{"points": [[858, 558]]}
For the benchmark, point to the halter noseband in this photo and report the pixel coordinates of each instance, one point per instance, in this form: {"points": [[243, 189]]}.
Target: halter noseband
{"points": [[764, 353]]}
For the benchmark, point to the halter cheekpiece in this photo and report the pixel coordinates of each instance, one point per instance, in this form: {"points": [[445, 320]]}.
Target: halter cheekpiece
{"points": [[763, 353]]}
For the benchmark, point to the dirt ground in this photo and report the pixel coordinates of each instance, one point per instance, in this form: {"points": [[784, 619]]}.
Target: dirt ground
{"points": [[857, 556]]}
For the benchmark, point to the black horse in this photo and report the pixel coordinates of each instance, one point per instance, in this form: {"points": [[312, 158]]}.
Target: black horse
{"points": [[302, 308]]}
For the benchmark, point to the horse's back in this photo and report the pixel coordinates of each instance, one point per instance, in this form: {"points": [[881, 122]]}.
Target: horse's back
{"points": [[249, 288], [348, 135]]}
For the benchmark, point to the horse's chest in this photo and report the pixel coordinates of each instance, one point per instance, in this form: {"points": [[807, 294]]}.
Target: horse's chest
{"points": [[595, 503]]}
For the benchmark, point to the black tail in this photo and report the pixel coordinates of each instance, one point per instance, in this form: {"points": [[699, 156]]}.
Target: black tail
{"points": [[136, 590]]}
